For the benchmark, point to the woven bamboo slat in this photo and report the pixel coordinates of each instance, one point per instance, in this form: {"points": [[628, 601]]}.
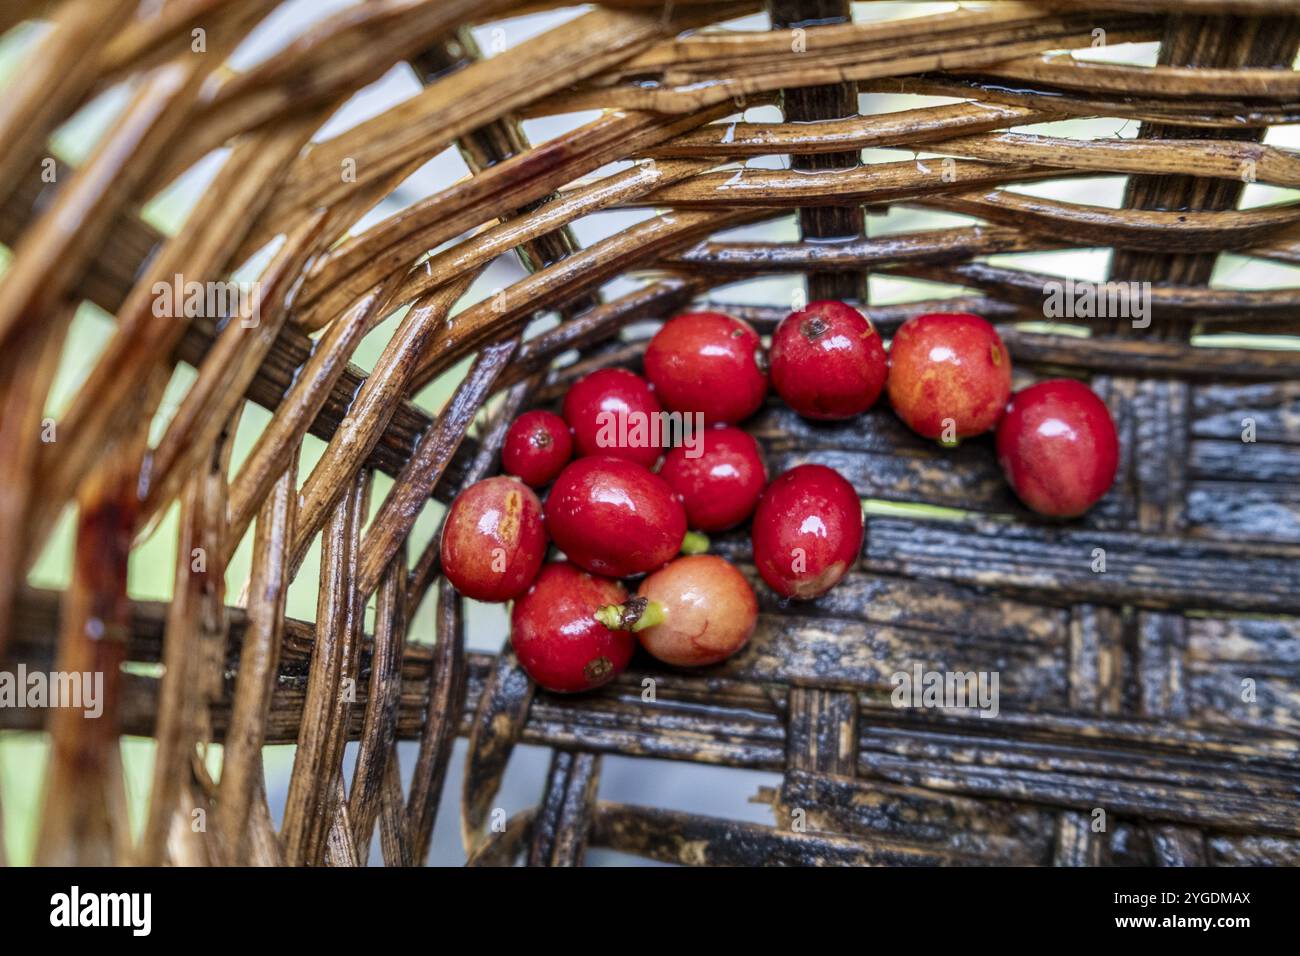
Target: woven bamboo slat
{"points": [[1161, 697]]}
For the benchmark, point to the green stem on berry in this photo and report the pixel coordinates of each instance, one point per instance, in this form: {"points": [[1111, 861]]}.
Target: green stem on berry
{"points": [[695, 543], [635, 614]]}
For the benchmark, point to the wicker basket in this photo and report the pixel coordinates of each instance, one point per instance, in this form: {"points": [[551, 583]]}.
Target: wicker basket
{"points": [[1148, 713]]}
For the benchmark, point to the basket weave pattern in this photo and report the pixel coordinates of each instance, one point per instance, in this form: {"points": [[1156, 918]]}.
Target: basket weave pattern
{"points": [[1121, 691]]}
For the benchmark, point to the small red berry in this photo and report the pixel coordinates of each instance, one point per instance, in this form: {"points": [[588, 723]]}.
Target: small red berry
{"points": [[614, 412], [828, 361], [694, 611], [556, 636], [1058, 448], [493, 541], [537, 447], [949, 375], [807, 531], [697, 610], [720, 487], [613, 517], [708, 362]]}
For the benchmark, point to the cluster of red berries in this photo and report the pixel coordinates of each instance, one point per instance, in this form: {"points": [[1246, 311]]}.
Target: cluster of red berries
{"points": [[573, 624]]}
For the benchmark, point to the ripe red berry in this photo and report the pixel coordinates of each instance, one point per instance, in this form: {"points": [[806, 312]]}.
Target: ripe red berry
{"points": [[613, 517], [555, 633], [807, 531], [828, 361], [720, 487], [697, 610], [537, 447], [493, 541], [708, 362], [1058, 448], [613, 412], [949, 375]]}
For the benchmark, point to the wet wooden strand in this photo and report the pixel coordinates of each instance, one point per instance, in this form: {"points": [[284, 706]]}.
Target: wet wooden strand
{"points": [[1199, 114], [377, 748], [259, 664], [39, 616], [84, 787], [760, 62], [27, 380], [559, 834], [193, 649], [56, 77], [467, 99], [335, 58], [1155, 571], [442, 720], [309, 805]]}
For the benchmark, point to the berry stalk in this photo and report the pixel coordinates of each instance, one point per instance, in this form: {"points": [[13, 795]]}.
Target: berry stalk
{"points": [[695, 543], [634, 614]]}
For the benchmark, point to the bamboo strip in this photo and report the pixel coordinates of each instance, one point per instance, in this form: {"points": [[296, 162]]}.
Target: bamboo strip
{"points": [[377, 735], [1163, 81], [193, 654], [1126, 228], [423, 126], [1211, 114], [370, 412], [106, 402], [559, 283], [301, 405], [259, 663], [84, 795], [334, 59], [54, 78], [310, 803]]}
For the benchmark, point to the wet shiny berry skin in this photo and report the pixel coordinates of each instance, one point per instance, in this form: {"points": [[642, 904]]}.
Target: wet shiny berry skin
{"points": [[537, 447], [556, 636], [493, 540], [1058, 447], [949, 365], [807, 531], [709, 611], [828, 361], [613, 517], [708, 362], [720, 488], [596, 404]]}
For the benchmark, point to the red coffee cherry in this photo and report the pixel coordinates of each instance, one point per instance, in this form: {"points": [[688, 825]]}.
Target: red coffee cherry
{"points": [[807, 531], [612, 412], [949, 375], [613, 517], [537, 447], [708, 362], [556, 636], [720, 488], [1058, 448], [828, 361], [493, 541], [697, 610]]}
